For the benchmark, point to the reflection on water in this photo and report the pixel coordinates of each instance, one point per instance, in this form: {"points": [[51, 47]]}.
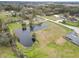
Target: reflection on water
{"points": [[26, 36], [40, 26]]}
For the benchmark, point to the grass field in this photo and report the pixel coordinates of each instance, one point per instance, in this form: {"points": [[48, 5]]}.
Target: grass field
{"points": [[6, 52], [50, 43], [76, 24], [3, 17], [53, 17], [14, 26]]}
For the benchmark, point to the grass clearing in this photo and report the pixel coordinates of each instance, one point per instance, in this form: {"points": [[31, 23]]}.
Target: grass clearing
{"points": [[76, 24], [6, 52], [14, 26], [3, 17], [47, 46]]}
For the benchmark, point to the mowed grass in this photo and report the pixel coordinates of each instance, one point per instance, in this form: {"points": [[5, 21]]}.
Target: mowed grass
{"points": [[14, 26], [50, 43], [6, 52], [76, 24], [3, 17]]}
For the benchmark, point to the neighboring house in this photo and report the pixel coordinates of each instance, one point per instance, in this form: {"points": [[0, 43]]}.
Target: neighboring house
{"points": [[66, 16], [56, 15], [73, 37], [73, 19], [77, 15], [63, 17], [13, 13]]}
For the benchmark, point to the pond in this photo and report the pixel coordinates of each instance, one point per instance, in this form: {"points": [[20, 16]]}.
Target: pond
{"points": [[25, 36]]}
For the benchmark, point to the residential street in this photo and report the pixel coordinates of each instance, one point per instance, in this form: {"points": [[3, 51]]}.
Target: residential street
{"points": [[76, 29]]}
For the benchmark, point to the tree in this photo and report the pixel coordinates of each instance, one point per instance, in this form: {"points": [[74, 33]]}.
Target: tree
{"points": [[78, 23], [4, 39], [0, 25], [64, 22], [23, 26]]}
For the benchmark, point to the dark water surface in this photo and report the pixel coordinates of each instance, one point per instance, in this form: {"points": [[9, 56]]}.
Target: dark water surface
{"points": [[25, 36]]}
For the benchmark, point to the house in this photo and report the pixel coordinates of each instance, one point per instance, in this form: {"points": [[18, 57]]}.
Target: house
{"points": [[73, 19], [77, 15], [56, 15], [73, 37], [13, 13], [63, 17]]}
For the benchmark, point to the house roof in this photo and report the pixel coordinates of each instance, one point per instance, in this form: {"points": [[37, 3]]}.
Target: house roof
{"points": [[73, 37], [73, 19]]}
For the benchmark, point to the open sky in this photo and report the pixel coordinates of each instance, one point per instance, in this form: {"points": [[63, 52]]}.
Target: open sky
{"points": [[40, 0]]}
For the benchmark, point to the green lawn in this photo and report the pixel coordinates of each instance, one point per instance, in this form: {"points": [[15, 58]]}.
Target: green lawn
{"points": [[76, 24], [68, 50], [14, 26]]}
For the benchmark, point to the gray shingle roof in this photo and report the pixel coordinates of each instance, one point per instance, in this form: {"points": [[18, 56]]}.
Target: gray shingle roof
{"points": [[73, 37]]}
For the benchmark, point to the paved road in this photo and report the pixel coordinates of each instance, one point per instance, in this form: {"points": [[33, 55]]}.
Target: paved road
{"points": [[76, 29]]}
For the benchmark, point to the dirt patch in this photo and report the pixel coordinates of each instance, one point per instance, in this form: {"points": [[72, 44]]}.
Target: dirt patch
{"points": [[42, 38], [60, 41]]}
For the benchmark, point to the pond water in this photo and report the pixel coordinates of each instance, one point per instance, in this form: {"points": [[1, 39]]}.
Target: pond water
{"points": [[25, 36]]}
